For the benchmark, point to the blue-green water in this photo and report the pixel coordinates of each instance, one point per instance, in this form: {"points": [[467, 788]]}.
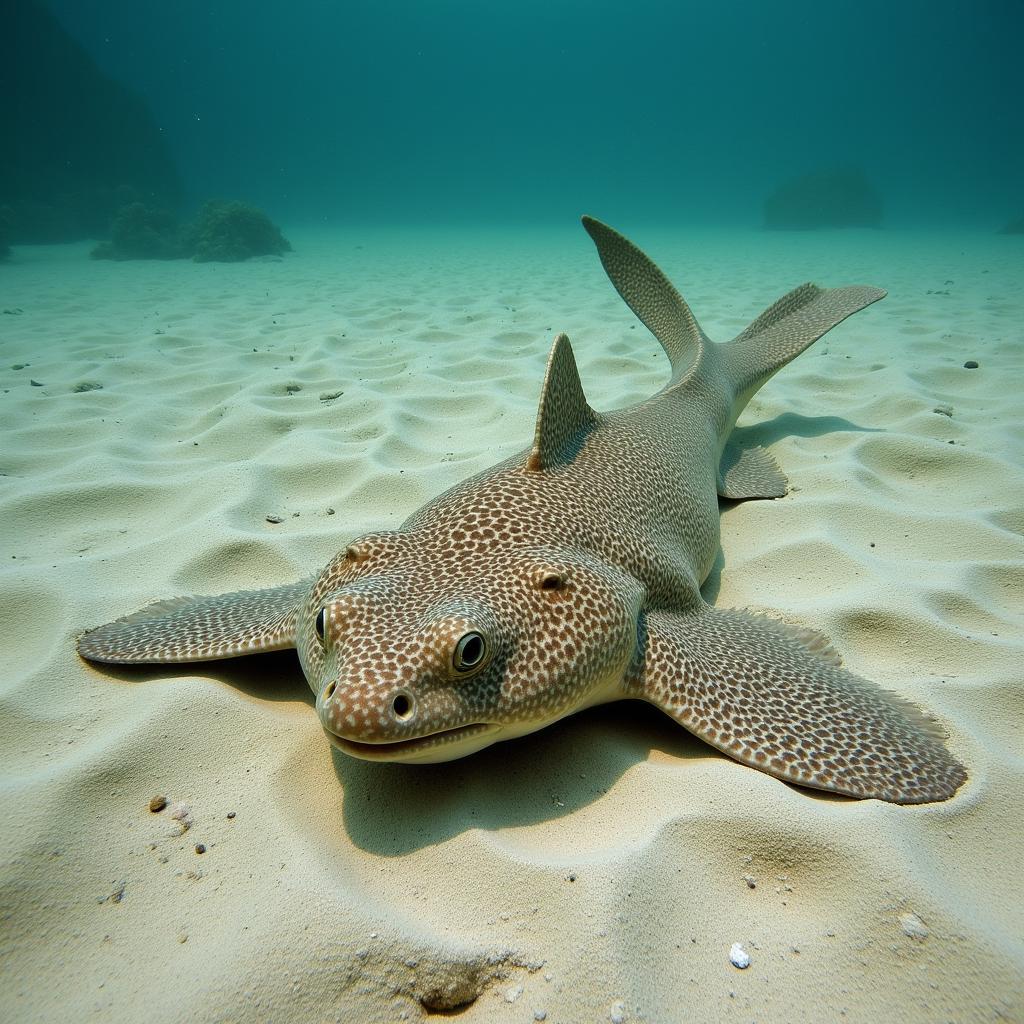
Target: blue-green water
{"points": [[539, 110]]}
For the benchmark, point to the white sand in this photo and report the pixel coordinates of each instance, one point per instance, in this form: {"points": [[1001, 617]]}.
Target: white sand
{"points": [[593, 871]]}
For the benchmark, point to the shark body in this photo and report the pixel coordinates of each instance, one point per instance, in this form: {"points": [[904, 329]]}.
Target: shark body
{"points": [[570, 575]]}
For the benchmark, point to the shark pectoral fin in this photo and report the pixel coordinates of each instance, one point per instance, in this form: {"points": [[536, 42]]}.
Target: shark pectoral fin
{"points": [[749, 473], [775, 697], [200, 628]]}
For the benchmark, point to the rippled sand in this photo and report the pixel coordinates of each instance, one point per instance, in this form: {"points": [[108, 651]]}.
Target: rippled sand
{"points": [[604, 867]]}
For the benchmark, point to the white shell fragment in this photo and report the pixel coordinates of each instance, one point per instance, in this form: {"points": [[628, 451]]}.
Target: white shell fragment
{"points": [[738, 956]]}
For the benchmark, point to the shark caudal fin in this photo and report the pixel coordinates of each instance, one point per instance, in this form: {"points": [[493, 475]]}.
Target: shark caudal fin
{"points": [[785, 329], [651, 296]]}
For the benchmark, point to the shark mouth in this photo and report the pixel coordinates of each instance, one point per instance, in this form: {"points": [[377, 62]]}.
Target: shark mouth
{"points": [[445, 745]]}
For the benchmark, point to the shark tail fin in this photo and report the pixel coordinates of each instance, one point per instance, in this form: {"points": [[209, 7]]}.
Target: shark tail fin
{"points": [[786, 328], [651, 296]]}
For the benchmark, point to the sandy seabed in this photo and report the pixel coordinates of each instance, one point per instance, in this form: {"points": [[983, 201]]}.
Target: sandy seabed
{"points": [[599, 870]]}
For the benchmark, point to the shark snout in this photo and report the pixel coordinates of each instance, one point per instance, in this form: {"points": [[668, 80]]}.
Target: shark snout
{"points": [[357, 712]]}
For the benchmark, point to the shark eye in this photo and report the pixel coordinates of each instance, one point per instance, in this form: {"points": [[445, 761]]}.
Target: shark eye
{"points": [[320, 625], [469, 652]]}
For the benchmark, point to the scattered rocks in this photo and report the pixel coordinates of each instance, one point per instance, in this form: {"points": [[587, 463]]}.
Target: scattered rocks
{"points": [[182, 814], [739, 957], [913, 927], [117, 895]]}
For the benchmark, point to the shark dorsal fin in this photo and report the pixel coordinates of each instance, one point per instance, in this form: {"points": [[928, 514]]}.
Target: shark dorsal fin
{"points": [[564, 416]]}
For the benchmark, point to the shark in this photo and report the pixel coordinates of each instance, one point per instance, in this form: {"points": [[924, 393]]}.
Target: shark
{"points": [[570, 575]]}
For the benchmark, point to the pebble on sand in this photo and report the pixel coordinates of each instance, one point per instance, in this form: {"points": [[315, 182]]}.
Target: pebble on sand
{"points": [[739, 957], [971, 364], [157, 804]]}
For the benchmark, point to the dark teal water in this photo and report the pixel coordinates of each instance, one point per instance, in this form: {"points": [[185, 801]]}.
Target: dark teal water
{"points": [[401, 110]]}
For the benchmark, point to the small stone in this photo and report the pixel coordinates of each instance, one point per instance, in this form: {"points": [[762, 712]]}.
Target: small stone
{"points": [[971, 364], [35, 383], [87, 385], [943, 409], [540, 1014], [231, 814], [182, 814], [751, 881], [739, 957], [200, 847], [512, 994], [157, 804], [913, 927], [182, 937], [330, 511], [617, 1014], [275, 519], [292, 388], [330, 396]]}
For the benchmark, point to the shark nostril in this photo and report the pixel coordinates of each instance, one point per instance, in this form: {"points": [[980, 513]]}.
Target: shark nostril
{"points": [[329, 691], [402, 706]]}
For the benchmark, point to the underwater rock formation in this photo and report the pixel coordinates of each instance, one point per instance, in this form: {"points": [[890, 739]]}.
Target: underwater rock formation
{"points": [[77, 145], [5, 249], [141, 232], [233, 231], [828, 198], [224, 231]]}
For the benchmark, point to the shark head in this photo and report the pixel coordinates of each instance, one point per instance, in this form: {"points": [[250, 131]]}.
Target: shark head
{"points": [[420, 651]]}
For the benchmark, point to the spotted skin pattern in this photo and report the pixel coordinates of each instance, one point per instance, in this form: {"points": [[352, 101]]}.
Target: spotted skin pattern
{"points": [[569, 575]]}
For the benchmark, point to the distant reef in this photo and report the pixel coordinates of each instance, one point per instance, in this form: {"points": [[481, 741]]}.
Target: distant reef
{"points": [[232, 231], [77, 146], [837, 197], [224, 231], [5, 249], [1013, 227]]}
